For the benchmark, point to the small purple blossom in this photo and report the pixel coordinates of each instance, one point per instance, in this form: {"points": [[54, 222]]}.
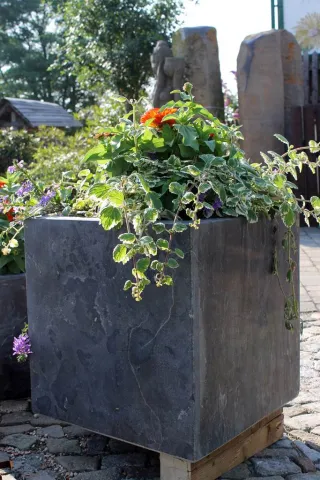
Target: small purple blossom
{"points": [[26, 187], [217, 204], [22, 347], [45, 199], [11, 169]]}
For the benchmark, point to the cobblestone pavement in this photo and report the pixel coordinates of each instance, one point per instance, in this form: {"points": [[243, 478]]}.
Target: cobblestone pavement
{"points": [[45, 449]]}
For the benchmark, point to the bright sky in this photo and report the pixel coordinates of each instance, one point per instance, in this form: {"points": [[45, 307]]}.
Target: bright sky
{"points": [[234, 20]]}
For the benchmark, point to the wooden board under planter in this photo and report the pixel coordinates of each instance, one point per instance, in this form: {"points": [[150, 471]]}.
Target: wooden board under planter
{"points": [[183, 372]]}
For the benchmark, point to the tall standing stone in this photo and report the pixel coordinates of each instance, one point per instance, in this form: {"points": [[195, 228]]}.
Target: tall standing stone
{"points": [[199, 47], [270, 83]]}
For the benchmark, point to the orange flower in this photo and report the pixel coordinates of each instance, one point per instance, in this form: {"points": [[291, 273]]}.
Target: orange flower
{"points": [[2, 184], [9, 215], [157, 117]]}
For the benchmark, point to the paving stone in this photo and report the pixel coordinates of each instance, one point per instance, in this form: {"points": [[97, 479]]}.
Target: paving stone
{"points": [[116, 446], [15, 418], [75, 431], [303, 422], [96, 445], [19, 440], [305, 436], [54, 431], [63, 445], [25, 465], [15, 429], [295, 409], [305, 464], [277, 452], [111, 474], [4, 457], [78, 464], [316, 431], [41, 476], [39, 420], [123, 460], [283, 443], [14, 406], [274, 466], [238, 473], [313, 455], [304, 476]]}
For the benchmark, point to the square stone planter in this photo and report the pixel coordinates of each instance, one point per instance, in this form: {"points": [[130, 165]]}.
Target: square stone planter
{"points": [[14, 377], [183, 371]]}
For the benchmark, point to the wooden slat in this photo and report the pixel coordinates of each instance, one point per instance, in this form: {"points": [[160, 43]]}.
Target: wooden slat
{"points": [[315, 78], [253, 440], [306, 77]]}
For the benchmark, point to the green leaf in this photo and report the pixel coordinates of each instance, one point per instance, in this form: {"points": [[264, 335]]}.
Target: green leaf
{"points": [[162, 244], [315, 202], [193, 170], [99, 190], [119, 98], [119, 253], [84, 173], [204, 187], [150, 214], [153, 200], [167, 280], [179, 253], [314, 146], [172, 263], [189, 136], [127, 285], [280, 180], [176, 188], [168, 134], [96, 153], [110, 217], [179, 227], [288, 214], [115, 197], [188, 197], [159, 227], [144, 183], [281, 138], [143, 264], [211, 144], [127, 238]]}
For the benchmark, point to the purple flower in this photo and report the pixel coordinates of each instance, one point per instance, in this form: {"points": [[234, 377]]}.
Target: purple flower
{"points": [[11, 169], [22, 347], [26, 187], [217, 203], [46, 198]]}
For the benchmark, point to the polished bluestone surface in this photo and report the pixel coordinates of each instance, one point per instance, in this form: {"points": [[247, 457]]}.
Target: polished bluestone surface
{"points": [[183, 371], [14, 377]]}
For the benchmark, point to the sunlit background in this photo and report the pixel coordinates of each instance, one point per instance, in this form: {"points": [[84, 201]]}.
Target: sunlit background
{"points": [[234, 20]]}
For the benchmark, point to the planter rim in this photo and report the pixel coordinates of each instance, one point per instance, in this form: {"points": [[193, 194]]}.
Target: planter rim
{"points": [[12, 276], [96, 219]]}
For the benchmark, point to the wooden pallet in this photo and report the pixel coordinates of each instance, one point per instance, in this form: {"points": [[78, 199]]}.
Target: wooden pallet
{"points": [[261, 435]]}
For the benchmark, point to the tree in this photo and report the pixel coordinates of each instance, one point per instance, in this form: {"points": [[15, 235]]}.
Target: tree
{"points": [[29, 42], [109, 42]]}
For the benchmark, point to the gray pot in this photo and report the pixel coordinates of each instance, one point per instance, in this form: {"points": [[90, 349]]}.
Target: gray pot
{"points": [[182, 372], [14, 377]]}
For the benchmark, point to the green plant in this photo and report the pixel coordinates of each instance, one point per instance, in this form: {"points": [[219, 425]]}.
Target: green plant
{"points": [[15, 145], [159, 176]]}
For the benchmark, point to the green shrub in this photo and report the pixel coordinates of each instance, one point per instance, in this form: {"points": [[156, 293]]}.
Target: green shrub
{"points": [[15, 145]]}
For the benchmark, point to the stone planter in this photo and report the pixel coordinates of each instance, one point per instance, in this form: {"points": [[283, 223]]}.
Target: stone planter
{"points": [[182, 372], [14, 377]]}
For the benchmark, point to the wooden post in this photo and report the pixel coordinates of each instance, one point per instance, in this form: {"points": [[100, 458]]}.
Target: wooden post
{"points": [[306, 77], [315, 81], [251, 441]]}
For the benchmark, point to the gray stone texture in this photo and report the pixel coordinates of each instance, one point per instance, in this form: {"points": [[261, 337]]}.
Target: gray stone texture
{"points": [[274, 466], [14, 377], [79, 464], [54, 431], [15, 429], [124, 460], [63, 445], [101, 359], [199, 47], [270, 83], [15, 418], [19, 440]]}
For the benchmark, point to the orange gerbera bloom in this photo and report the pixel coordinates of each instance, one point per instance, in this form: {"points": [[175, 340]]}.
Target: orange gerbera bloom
{"points": [[2, 184], [157, 117], [10, 215]]}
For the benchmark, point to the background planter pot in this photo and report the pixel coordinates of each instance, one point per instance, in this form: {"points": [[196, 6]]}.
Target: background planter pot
{"points": [[14, 377], [183, 371]]}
